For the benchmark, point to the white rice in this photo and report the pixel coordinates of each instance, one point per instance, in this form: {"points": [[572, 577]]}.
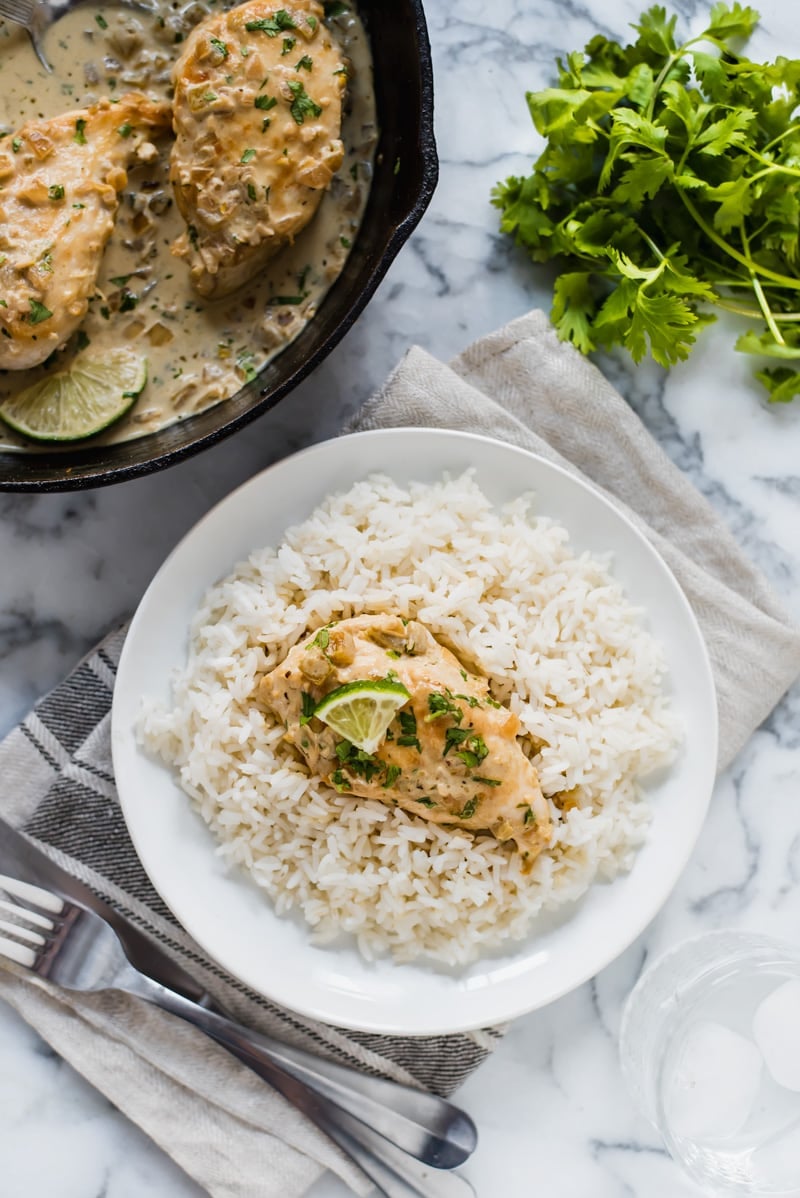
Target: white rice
{"points": [[561, 646]]}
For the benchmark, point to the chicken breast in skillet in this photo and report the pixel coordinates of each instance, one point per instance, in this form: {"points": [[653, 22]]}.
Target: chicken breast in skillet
{"points": [[257, 117], [451, 753], [60, 181]]}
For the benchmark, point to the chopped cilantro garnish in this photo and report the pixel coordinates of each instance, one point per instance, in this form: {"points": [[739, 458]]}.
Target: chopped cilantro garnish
{"points": [[119, 280], [221, 47], [322, 639], [393, 772], [312, 23], [289, 44], [346, 242], [469, 808], [80, 135], [251, 192], [302, 105], [38, 312], [308, 707], [245, 363], [358, 763], [441, 703], [264, 103], [248, 156], [453, 737], [528, 816], [335, 8], [101, 21], [56, 191], [16, 145], [305, 64], [272, 26], [425, 801], [125, 130], [128, 301], [487, 781], [265, 124], [408, 725]]}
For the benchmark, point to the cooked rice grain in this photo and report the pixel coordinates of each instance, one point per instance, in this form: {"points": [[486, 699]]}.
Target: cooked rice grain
{"points": [[561, 646]]}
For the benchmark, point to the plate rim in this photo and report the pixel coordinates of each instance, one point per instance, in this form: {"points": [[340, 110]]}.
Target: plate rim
{"points": [[646, 911]]}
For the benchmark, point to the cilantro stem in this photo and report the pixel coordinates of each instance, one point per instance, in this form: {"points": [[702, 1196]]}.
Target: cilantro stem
{"points": [[784, 280], [780, 137], [739, 309], [755, 313], [675, 57], [765, 308], [769, 168], [762, 299]]}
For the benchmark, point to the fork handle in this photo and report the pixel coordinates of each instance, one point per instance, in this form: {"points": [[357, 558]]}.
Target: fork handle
{"points": [[428, 1128], [395, 1173]]}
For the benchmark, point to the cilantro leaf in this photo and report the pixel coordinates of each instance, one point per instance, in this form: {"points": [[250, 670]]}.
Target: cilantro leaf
{"points": [[669, 184], [733, 20], [573, 307], [782, 383]]}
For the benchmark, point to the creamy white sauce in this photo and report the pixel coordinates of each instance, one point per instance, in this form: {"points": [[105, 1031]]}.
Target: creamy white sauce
{"points": [[199, 352]]}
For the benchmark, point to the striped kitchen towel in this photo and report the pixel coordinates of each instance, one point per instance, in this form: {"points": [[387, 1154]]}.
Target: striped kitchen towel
{"points": [[220, 1122]]}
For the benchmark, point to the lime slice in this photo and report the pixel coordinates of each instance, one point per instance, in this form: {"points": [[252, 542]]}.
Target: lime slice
{"points": [[79, 402], [362, 711]]}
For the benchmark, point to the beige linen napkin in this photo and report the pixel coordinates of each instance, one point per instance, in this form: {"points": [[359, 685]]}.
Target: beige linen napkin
{"points": [[221, 1123], [522, 385]]}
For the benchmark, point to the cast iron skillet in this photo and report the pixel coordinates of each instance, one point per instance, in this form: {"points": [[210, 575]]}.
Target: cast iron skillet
{"points": [[406, 171]]}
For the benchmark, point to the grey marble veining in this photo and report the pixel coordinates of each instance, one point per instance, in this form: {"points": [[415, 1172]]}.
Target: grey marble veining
{"points": [[550, 1105]]}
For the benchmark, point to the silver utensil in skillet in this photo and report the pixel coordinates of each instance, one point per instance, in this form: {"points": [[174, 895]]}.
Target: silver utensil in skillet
{"points": [[36, 16], [75, 949]]}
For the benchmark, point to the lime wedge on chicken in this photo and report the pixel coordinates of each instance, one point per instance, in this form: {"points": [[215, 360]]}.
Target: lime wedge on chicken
{"points": [[362, 711], [79, 402]]}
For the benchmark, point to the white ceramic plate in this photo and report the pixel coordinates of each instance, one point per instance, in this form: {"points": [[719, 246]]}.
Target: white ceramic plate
{"points": [[234, 921]]}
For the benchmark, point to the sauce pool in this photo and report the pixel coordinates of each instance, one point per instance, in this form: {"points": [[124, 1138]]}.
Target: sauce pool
{"points": [[199, 352]]}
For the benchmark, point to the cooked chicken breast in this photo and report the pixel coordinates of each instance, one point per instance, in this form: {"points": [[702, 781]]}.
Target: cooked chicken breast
{"points": [[257, 116], [59, 193], [450, 755]]}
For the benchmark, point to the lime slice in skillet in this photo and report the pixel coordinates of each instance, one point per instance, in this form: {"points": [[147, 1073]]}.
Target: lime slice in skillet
{"points": [[76, 403], [362, 711]]}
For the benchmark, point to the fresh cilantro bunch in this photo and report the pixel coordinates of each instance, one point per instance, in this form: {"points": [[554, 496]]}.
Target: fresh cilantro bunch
{"points": [[670, 181]]}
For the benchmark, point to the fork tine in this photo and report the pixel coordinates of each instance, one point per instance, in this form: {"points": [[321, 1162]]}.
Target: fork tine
{"points": [[38, 921], [32, 894], [17, 10], [17, 952], [23, 933]]}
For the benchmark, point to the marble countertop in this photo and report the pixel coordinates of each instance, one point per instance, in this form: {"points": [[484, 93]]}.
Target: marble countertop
{"points": [[74, 566]]}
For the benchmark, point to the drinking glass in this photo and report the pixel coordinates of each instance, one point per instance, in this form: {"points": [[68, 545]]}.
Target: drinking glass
{"points": [[710, 1050]]}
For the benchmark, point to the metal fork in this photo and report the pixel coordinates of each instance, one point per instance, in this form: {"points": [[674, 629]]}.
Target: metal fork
{"points": [[395, 1145], [36, 16]]}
